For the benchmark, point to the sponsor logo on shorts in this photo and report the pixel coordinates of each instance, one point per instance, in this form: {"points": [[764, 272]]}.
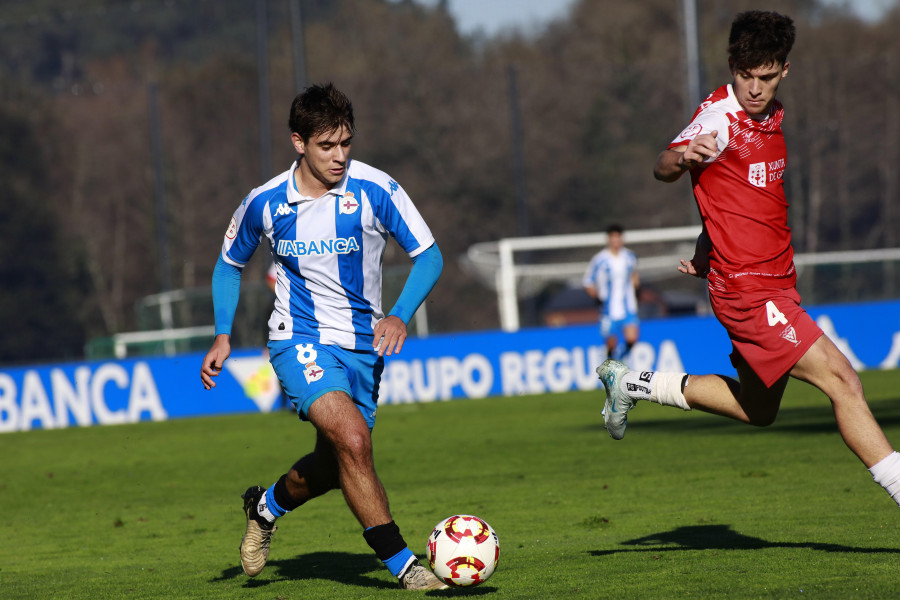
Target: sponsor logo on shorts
{"points": [[790, 334], [313, 372]]}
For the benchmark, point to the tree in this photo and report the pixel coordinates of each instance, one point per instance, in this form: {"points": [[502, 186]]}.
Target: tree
{"points": [[44, 296]]}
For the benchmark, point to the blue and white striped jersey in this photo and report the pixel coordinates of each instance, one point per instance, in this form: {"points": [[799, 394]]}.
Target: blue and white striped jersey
{"points": [[611, 276], [327, 251]]}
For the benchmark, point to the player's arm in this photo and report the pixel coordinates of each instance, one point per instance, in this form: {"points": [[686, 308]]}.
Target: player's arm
{"points": [[590, 286], [226, 290], [390, 332], [587, 281], [699, 265], [672, 163]]}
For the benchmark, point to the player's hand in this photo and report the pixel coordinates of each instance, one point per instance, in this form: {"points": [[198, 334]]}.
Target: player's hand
{"points": [[700, 149], [688, 268], [697, 266], [214, 359], [390, 333]]}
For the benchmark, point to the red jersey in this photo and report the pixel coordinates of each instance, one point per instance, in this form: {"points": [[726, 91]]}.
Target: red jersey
{"points": [[741, 196]]}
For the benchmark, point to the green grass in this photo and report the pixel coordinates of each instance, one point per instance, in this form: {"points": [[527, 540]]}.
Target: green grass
{"points": [[687, 506]]}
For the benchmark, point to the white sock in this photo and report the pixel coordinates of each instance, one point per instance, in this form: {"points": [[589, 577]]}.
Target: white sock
{"points": [[887, 473], [263, 509], [656, 386]]}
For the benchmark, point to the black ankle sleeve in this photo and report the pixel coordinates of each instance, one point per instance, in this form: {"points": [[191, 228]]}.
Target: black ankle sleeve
{"points": [[385, 540], [282, 497]]}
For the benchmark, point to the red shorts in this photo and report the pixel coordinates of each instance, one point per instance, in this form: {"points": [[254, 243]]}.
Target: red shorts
{"points": [[767, 328]]}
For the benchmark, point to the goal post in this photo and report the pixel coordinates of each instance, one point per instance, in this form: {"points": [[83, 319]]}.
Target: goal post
{"points": [[495, 263], [499, 259]]}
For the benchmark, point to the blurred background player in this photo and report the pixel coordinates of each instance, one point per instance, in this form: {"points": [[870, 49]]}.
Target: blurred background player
{"points": [[612, 279], [327, 220], [735, 153]]}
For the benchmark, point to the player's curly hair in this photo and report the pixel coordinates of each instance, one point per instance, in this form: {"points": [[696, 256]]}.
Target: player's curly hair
{"points": [[320, 109], [760, 38]]}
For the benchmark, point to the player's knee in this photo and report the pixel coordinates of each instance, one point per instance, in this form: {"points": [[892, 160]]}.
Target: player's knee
{"points": [[759, 414], [354, 442], [845, 387], [850, 380], [761, 420]]}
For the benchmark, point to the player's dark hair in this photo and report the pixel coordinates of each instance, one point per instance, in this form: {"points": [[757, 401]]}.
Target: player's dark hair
{"points": [[759, 39], [614, 228], [320, 109]]}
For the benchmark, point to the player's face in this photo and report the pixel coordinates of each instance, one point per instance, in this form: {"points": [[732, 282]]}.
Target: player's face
{"points": [[755, 88], [615, 241], [325, 158]]}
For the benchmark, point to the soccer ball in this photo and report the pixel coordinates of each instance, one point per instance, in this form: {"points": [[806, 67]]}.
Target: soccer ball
{"points": [[463, 550]]}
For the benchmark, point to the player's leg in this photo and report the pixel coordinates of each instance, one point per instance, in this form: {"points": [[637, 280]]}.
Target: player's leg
{"points": [[310, 477], [302, 380], [630, 333], [612, 331], [340, 421], [313, 475], [612, 345], [748, 400], [825, 367]]}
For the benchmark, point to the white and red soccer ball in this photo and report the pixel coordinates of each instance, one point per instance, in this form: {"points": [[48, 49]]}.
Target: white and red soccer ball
{"points": [[463, 550]]}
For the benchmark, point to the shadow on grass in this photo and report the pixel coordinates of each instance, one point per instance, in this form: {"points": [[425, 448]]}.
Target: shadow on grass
{"points": [[340, 567], [722, 537], [343, 567], [816, 419]]}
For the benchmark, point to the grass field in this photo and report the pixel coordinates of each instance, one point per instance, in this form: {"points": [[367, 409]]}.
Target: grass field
{"points": [[686, 506]]}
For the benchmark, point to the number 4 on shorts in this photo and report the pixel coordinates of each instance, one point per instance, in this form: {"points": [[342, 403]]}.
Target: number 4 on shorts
{"points": [[774, 315]]}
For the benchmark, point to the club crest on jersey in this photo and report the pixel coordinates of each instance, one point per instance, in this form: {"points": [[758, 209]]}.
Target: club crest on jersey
{"points": [[691, 131], [757, 174], [232, 229], [790, 334], [348, 204], [313, 372]]}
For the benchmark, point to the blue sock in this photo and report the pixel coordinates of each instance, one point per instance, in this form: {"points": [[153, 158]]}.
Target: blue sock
{"points": [[271, 506], [399, 562]]}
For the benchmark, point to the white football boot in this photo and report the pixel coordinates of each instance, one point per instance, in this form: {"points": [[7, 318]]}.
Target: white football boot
{"points": [[418, 577], [618, 403]]}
